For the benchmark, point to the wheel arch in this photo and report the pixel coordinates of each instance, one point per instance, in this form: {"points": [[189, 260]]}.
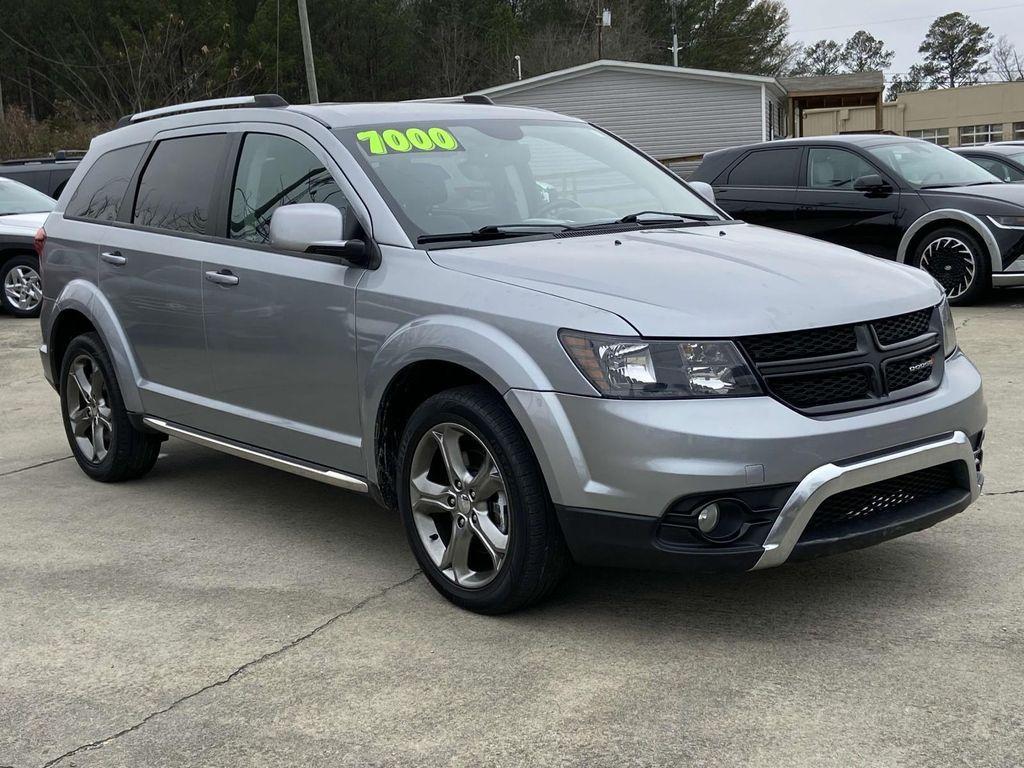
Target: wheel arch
{"points": [[426, 357], [81, 307], [945, 217]]}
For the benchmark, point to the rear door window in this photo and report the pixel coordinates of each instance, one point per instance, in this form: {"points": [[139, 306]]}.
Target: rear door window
{"points": [[100, 192], [275, 171], [767, 168], [177, 187]]}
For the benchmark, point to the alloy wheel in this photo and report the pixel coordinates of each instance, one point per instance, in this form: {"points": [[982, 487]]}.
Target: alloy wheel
{"points": [[460, 505], [88, 409], [23, 288], [950, 261]]}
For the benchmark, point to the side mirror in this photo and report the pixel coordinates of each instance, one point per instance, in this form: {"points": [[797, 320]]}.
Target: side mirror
{"points": [[871, 183], [704, 189], [317, 228]]}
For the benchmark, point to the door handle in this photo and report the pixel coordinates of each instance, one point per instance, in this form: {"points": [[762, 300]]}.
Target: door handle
{"points": [[222, 277], [114, 257]]}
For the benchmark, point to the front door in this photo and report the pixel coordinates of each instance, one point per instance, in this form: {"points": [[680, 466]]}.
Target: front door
{"points": [[829, 208], [280, 327]]}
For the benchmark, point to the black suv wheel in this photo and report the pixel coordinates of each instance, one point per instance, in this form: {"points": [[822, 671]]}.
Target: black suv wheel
{"points": [[957, 259], [104, 442], [475, 506]]}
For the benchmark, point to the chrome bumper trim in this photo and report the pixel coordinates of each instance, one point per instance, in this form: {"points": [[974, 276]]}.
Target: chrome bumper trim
{"points": [[1004, 279], [329, 476], [830, 479]]}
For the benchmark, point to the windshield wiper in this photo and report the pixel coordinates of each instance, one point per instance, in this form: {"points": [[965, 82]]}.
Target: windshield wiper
{"points": [[635, 218], [959, 184], [494, 232]]}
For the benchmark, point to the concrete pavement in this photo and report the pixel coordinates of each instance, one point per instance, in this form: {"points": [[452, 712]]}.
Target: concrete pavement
{"points": [[218, 613]]}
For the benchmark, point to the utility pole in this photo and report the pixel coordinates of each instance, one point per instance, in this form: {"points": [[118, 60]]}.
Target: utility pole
{"points": [[519, 75], [604, 20], [307, 53], [675, 47]]}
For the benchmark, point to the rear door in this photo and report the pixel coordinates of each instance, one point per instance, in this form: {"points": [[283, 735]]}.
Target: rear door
{"points": [[151, 269], [280, 326], [761, 187], [829, 208]]}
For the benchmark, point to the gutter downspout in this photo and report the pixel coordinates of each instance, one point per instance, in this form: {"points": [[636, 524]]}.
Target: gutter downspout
{"points": [[764, 113]]}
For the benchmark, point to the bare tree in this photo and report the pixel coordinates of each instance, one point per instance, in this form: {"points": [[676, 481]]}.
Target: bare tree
{"points": [[1007, 63]]}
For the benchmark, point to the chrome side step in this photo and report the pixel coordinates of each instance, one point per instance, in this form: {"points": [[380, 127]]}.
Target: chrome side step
{"points": [[329, 476]]}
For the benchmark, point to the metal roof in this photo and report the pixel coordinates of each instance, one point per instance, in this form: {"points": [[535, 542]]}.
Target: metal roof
{"points": [[851, 83]]}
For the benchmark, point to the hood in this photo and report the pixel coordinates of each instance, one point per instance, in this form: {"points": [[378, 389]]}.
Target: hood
{"points": [[27, 221], [1006, 193], [730, 280]]}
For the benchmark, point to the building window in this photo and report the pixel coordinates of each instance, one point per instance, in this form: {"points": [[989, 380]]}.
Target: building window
{"points": [[938, 136], [1018, 131], [973, 135]]}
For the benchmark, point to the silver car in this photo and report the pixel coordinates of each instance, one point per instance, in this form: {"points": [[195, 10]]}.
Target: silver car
{"points": [[533, 341]]}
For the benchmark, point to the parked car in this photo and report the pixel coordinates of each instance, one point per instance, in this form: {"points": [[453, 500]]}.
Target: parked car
{"points": [[22, 212], [1004, 161], [47, 174], [536, 343], [897, 198]]}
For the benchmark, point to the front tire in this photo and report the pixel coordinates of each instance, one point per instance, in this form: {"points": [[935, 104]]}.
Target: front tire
{"points": [[957, 259], [475, 506], [22, 287], [103, 440]]}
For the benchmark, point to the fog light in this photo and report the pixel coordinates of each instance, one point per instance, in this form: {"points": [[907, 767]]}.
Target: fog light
{"points": [[707, 518]]}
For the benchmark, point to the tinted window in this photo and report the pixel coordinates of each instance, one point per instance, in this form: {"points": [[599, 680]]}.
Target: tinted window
{"points": [[767, 168], [998, 169], [99, 194], [275, 171], [177, 186], [835, 168]]}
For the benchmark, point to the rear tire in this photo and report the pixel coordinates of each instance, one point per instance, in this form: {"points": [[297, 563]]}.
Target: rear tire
{"points": [[103, 440], [21, 288], [957, 259], [514, 553]]}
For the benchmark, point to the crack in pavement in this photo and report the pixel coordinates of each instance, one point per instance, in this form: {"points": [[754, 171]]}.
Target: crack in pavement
{"points": [[238, 671], [1003, 493], [33, 466]]}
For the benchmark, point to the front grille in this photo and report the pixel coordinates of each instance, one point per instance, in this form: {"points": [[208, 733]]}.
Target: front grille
{"points": [[884, 500], [817, 342], [843, 367], [893, 330], [906, 372], [827, 388]]}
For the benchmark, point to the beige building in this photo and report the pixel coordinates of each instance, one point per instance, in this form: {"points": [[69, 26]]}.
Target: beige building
{"points": [[951, 117]]}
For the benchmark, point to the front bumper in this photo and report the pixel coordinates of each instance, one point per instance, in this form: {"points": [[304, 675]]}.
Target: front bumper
{"points": [[617, 469]]}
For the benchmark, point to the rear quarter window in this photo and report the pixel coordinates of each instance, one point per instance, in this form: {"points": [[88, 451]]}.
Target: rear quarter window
{"points": [[100, 192], [766, 168]]}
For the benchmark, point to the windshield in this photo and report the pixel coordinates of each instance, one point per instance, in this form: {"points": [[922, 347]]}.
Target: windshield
{"points": [[15, 197], [929, 165], [467, 175]]}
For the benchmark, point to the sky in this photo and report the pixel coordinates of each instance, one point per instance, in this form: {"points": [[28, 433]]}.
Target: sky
{"points": [[902, 24]]}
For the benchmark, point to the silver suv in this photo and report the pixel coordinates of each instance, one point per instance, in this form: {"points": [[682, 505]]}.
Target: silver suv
{"points": [[533, 341]]}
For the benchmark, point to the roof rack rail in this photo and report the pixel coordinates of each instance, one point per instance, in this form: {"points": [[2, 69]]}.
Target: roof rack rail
{"points": [[259, 100], [60, 154], [477, 98]]}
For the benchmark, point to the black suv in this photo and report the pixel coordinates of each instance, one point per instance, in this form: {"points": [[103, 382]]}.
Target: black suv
{"points": [[887, 196], [47, 174]]}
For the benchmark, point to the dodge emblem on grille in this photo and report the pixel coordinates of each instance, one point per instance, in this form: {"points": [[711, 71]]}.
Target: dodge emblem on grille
{"points": [[923, 365]]}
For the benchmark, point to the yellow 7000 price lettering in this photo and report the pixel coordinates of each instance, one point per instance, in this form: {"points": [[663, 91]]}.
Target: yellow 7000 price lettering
{"points": [[408, 140]]}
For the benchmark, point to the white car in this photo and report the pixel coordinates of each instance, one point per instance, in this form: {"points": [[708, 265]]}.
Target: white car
{"points": [[22, 212]]}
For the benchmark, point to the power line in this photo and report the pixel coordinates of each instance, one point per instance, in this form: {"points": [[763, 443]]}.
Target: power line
{"points": [[862, 24]]}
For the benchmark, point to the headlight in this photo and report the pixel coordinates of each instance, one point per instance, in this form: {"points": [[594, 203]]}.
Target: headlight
{"points": [[630, 367], [948, 329], [1008, 222]]}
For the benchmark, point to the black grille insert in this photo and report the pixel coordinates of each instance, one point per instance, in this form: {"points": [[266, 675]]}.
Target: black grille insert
{"points": [[825, 388], [908, 371], [845, 367], [868, 504], [893, 330], [817, 342]]}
